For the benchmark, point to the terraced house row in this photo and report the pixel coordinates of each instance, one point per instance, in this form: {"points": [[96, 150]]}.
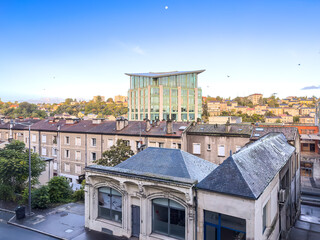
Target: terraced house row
{"points": [[74, 144]]}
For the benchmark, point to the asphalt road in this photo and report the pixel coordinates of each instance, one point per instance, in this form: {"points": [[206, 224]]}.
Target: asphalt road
{"points": [[10, 232]]}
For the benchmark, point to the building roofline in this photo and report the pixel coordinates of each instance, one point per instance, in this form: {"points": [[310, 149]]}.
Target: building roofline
{"points": [[141, 175], [164, 74]]}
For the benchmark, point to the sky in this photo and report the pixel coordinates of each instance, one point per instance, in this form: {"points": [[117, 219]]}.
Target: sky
{"points": [[83, 48]]}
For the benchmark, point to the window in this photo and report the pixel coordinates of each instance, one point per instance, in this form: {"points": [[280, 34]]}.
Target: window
{"points": [[43, 138], [54, 151], [196, 148], [110, 204], [93, 156], [34, 149], [67, 140], [67, 167], [110, 142], [43, 151], [161, 145], [78, 141], [67, 153], [168, 218], [221, 227], [34, 138], [209, 147], [264, 218], [238, 148], [221, 151], [55, 166], [126, 142], [93, 142], [78, 155], [78, 169], [54, 141], [174, 145], [179, 145]]}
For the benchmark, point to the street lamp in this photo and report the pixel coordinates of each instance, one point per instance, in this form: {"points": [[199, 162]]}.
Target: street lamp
{"points": [[29, 197]]}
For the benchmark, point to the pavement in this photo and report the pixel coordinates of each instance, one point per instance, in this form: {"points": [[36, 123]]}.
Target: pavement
{"points": [[10, 232], [62, 222]]}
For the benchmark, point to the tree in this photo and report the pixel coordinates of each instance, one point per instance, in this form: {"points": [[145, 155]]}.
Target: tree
{"points": [[117, 154], [59, 189], [296, 119], [14, 167]]}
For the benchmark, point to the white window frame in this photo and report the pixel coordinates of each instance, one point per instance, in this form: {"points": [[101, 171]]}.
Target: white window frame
{"points": [[67, 167], [196, 148], [78, 141], [77, 168], [221, 150], [43, 138], [78, 155], [55, 166], [109, 143], [44, 151], [92, 156], [34, 138], [161, 144], [65, 153], [93, 142], [54, 151], [208, 147], [65, 140]]}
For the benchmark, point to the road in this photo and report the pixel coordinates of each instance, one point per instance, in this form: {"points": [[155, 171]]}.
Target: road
{"points": [[10, 232]]}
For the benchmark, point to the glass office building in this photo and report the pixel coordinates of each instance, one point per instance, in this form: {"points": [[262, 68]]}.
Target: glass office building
{"points": [[164, 95]]}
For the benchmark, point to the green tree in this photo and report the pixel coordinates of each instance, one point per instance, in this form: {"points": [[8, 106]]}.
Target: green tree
{"points": [[59, 189], [296, 119], [14, 167], [117, 154]]}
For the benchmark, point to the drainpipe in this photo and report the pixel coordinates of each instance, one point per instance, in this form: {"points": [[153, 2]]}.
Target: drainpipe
{"points": [[196, 213]]}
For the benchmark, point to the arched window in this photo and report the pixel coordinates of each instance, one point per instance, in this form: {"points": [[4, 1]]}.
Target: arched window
{"points": [[110, 204], [168, 218]]}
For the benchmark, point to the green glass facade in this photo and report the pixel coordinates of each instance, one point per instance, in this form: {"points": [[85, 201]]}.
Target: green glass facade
{"points": [[164, 95]]}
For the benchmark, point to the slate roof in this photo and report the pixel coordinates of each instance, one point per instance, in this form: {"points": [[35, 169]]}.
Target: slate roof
{"points": [[163, 74], [259, 131], [169, 162], [220, 129], [248, 172], [17, 126], [134, 128]]}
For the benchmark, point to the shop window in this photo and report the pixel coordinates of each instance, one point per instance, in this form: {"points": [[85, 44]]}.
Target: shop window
{"points": [[110, 204], [223, 227], [168, 218]]}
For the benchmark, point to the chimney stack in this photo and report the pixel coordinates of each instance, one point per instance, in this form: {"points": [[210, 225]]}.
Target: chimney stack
{"points": [[157, 122], [169, 126], [120, 123], [148, 125], [228, 126]]}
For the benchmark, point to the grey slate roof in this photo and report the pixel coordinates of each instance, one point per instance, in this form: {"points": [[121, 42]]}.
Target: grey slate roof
{"points": [[248, 172], [259, 131], [218, 129], [163, 74], [169, 162]]}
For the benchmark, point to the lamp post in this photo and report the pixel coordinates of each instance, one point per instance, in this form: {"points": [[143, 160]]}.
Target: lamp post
{"points": [[29, 140]]}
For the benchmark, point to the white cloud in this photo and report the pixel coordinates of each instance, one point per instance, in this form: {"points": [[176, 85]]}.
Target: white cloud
{"points": [[138, 50]]}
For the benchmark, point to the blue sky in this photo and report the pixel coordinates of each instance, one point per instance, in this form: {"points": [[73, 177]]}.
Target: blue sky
{"points": [[81, 48]]}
